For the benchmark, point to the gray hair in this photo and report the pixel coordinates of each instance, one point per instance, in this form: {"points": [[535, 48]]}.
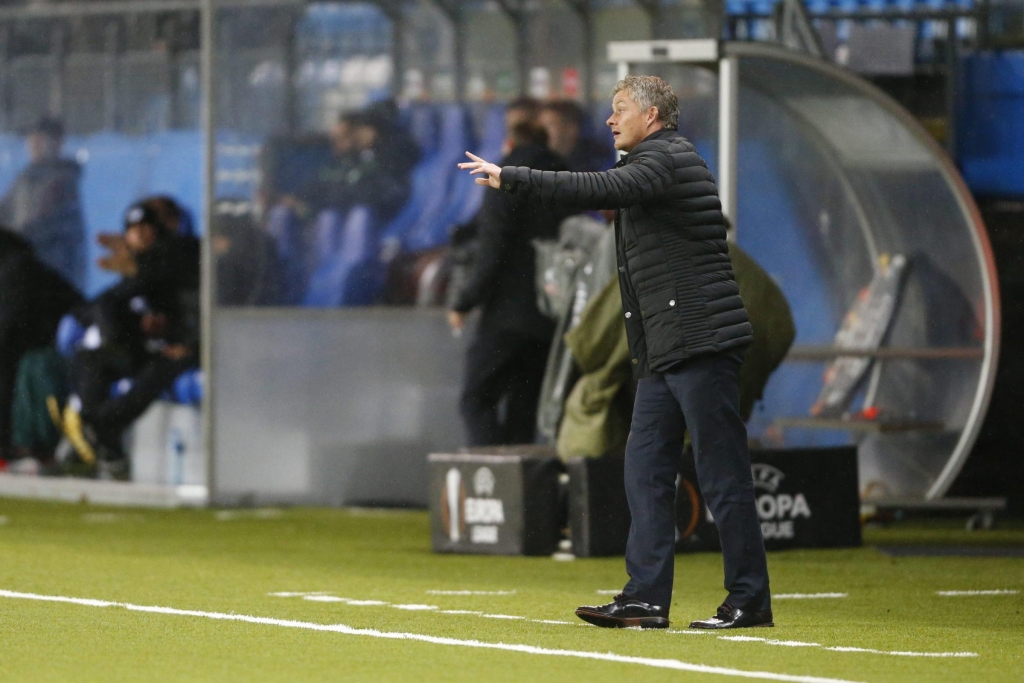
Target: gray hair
{"points": [[651, 91]]}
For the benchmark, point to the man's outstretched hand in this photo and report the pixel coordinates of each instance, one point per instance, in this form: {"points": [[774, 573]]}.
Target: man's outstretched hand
{"points": [[478, 165]]}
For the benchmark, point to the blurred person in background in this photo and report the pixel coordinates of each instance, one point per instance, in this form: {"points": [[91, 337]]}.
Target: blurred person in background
{"points": [[566, 124], [249, 271], [374, 160], [506, 360], [43, 204], [33, 299], [148, 334], [518, 111]]}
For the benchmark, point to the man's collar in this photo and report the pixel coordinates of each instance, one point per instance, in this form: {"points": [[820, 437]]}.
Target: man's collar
{"points": [[660, 134]]}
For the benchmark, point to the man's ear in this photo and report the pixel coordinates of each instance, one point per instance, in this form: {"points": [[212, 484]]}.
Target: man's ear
{"points": [[652, 115]]}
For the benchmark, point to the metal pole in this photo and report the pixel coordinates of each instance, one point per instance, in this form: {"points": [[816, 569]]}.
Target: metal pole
{"points": [[459, 36], [584, 12], [110, 49], [397, 17], [291, 103], [728, 132], [516, 13], [522, 51], [208, 20], [57, 54], [952, 84], [5, 100]]}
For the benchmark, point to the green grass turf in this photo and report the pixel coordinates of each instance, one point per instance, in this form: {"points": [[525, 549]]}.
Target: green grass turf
{"points": [[193, 560]]}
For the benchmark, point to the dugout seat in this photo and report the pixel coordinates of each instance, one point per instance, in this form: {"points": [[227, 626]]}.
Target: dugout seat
{"points": [[349, 271]]}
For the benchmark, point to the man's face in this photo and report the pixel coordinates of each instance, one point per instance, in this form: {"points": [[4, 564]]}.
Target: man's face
{"points": [[341, 138], [630, 125], [42, 147], [140, 237], [365, 137], [516, 116], [562, 134]]}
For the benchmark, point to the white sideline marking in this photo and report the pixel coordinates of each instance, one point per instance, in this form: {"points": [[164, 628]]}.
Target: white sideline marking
{"points": [[957, 594], [674, 664], [459, 611], [260, 513], [501, 616], [291, 594], [612, 591], [323, 598], [808, 596], [800, 643], [902, 654], [416, 608], [471, 592], [366, 603], [101, 517]]}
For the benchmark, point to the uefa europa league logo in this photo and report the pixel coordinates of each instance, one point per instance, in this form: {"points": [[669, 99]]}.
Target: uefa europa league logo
{"points": [[452, 502]]}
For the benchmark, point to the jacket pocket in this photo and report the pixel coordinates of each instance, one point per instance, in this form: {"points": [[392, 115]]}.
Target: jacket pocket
{"points": [[663, 329]]}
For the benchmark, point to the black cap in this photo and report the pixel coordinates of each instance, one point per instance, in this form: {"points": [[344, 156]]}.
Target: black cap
{"points": [[140, 213], [48, 126]]}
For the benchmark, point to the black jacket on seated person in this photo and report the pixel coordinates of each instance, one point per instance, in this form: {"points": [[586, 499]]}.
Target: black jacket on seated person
{"points": [[678, 288], [33, 299], [167, 282], [502, 279]]}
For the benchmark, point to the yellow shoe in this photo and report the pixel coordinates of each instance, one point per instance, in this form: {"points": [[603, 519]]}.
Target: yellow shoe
{"points": [[73, 429], [53, 406]]}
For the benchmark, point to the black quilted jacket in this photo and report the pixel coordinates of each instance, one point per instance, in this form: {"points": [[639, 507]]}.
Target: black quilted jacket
{"points": [[678, 287]]}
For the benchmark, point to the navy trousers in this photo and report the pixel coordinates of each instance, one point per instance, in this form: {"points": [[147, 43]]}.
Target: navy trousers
{"points": [[700, 394]]}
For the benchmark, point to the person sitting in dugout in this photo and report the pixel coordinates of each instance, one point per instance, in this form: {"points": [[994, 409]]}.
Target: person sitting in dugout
{"points": [[148, 334]]}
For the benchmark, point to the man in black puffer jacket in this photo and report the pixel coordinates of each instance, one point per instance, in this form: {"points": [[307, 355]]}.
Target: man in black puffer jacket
{"points": [[687, 331]]}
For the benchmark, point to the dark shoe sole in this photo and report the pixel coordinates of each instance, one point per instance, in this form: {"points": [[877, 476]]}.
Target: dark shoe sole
{"points": [[695, 625], [604, 621]]}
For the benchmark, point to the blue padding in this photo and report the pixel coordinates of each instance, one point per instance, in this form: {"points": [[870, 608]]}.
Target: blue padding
{"points": [[285, 227], [990, 125], [70, 333], [468, 195], [430, 227], [186, 390], [188, 387], [349, 271], [424, 126], [769, 228]]}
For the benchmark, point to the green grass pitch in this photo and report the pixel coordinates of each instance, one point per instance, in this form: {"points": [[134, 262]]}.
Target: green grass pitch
{"points": [[373, 577]]}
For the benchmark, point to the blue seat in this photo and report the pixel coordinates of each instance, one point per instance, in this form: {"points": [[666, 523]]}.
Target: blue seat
{"points": [[468, 196], [430, 228], [285, 228], [70, 334], [186, 390], [349, 271]]}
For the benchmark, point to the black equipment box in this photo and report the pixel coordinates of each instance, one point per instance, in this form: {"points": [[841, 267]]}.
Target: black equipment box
{"points": [[494, 504], [806, 498]]}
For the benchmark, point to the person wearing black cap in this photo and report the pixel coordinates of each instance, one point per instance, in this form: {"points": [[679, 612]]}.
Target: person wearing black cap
{"points": [[148, 328], [43, 204]]}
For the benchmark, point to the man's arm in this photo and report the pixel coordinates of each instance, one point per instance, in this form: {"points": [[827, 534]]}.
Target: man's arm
{"points": [[646, 177]]}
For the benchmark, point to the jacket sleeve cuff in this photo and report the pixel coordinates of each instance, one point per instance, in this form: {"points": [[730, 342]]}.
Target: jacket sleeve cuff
{"points": [[509, 179]]}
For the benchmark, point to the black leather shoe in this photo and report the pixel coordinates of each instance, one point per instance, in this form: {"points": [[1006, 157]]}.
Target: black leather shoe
{"points": [[625, 612], [732, 617]]}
